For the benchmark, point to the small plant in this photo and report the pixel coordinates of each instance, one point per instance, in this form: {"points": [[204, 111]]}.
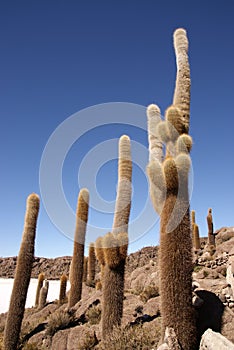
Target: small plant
{"points": [[149, 292], [93, 314], [88, 341], [58, 320], [197, 268], [128, 338]]}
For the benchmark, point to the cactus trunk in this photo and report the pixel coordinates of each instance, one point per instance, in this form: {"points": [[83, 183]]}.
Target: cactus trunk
{"points": [[77, 264], [22, 275]]}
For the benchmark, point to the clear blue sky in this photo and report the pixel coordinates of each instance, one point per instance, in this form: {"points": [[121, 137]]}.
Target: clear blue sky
{"points": [[59, 57]]}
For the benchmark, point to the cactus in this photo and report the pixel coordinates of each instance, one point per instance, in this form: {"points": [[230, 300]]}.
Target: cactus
{"points": [[63, 287], [91, 263], [85, 269], [211, 235], [193, 220], [183, 82], [111, 250], [76, 269], [124, 192], [22, 275], [115, 253], [170, 198], [41, 278], [43, 295], [196, 237]]}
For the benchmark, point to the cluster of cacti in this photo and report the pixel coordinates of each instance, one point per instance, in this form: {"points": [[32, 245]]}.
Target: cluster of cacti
{"points": [[63, 288], [41, 278], [111, 250], [22, 275], [76, 268], [170, 197], [43, 295]]}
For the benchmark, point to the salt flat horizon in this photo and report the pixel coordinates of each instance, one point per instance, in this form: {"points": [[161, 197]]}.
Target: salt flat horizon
{"points": [[6, 285]]}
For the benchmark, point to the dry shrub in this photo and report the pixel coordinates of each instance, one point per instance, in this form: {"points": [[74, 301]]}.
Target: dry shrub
{"points": [[89, 341], [93, 314], [58, 320], [137, 337], [149, 292]]}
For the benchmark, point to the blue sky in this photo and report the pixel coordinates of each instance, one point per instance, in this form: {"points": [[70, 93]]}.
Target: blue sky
{"points": [[60, 57]]}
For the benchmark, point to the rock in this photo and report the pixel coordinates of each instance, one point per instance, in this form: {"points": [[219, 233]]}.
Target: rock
{"points": [[215, 341]]}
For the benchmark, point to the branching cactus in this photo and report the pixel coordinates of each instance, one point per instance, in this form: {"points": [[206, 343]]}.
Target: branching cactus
{"points": [[41, 278], [91, 263], [63, 288], [76, 269], [22, 275], [211, 235], [43, 295], [170, 198]]}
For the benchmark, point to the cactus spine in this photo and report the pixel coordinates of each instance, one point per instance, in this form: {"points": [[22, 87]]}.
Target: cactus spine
{"points": [[91, 263], [43, 295], [41, 278], [22, 275], [111, 250], [211, 235], [169, 181], [63, 287], [76, 269]]}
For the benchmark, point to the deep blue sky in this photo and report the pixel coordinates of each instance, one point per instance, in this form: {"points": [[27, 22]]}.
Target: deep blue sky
{"points": [[59, 57]]}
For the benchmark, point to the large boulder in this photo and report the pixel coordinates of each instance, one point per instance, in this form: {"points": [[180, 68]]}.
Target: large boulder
{"points": [[215, 341]]}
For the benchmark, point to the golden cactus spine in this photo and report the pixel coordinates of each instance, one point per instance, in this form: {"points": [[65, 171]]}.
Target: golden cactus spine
{"points": [[91, 263], [76, 269], [41, 278], [124, 192], [63, 288], [43, 295], [169, 194], [22, 275]]}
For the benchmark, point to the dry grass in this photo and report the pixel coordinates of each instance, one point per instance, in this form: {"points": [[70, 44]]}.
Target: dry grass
{"points": [[58, 320], [138, 337], [93, 314]]}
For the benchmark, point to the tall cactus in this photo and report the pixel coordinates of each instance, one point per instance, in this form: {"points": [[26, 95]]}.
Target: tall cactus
{"points": [[63, 288], [22, 275], [211, 235], [76, 269], [91, 263], [170, 197], [43, 295], [111, 250], [124, 192], [193, 219], [115, 252], [196, 237], [85, 269], [41, 278]]}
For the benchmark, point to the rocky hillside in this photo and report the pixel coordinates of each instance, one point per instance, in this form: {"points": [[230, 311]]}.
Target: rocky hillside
{"points": [[58, 328]]}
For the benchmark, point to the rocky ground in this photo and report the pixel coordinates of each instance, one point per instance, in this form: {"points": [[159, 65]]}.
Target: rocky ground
{"points": [[57, 328]]}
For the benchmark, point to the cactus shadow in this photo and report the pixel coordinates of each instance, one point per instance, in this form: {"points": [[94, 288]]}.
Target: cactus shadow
{"points": [[210, 313]]}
